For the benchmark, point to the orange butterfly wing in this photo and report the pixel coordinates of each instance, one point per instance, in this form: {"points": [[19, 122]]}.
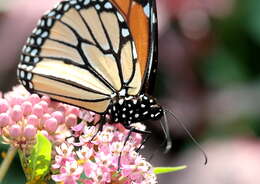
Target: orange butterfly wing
{"points": [[140, 17]]}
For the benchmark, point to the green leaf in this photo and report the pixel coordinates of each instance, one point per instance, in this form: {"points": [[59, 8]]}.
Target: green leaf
{"points": [[163, 170], [40, 159]]}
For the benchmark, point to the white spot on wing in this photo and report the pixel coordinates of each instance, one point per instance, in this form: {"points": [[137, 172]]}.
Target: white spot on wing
{"points": [[49, 22], [59, 7], [120, 17], [24, 47], [134, 51], [27, 59], [147, 9], [39, 41], [78, 7], [108, 5], [38, 23], [28, 49], [66, 7], [30, 85], [28, 40], [97, 7], [42, 23], [22, 74], [86, 2], [44, 34], [17, 73], [22, 66], [154, 19], [39, 31], [58, 16], [34, 30], [52, 13], [29, 68], [34, 52], [29, 76], [122, 92], [73, 2], [35, 60], [125, 32]]}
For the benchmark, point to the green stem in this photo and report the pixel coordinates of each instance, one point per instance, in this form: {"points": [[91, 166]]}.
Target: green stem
{"points": [[7, 162]]}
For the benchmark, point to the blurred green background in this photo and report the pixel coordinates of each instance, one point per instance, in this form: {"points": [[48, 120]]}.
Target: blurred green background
{"points": [[209, 76]]}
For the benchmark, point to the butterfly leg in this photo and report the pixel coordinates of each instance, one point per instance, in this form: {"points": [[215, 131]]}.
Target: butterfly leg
{"points": [[147, 136], [101, 123], [132, 129]]}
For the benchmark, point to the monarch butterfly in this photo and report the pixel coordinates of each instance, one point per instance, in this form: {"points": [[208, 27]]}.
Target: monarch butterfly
{"points": [[99, 55]]}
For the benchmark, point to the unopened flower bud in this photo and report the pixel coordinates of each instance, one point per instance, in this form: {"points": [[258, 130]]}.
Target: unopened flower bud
{"points": [[74, 110], [44, 106], [58, 116], [33, 120], [4, 119], [17, 113], [46, 99], [15, 131], [38, 110], [51, 125], [71, 120], [30, 131], [27, 108], [34, 99], [3, 105]]}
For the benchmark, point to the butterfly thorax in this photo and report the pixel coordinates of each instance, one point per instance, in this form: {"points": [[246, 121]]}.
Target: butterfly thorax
{"points": [[132, 109]]}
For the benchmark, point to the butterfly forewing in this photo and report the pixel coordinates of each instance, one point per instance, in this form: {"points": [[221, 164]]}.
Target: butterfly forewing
{"points": [[81, 53], [142, 20]]}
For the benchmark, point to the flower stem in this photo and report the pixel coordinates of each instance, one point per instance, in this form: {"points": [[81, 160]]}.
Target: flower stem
{"points": [[7, 162]]}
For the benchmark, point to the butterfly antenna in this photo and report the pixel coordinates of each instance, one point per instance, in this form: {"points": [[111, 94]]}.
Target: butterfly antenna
{"points": [[166, 131], [189, 134]]}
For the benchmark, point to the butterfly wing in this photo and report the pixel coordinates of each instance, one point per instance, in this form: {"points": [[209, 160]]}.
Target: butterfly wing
{"points": [[81, 53], [141, 17]]}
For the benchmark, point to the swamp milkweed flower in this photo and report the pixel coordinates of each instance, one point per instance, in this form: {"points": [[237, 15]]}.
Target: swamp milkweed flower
{"points": [[96, 161], [80, 152]]}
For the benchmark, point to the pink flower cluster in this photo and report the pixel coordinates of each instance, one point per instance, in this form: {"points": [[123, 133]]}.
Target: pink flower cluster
{"points": [[22, 115], [96, 161], [81, 153]]}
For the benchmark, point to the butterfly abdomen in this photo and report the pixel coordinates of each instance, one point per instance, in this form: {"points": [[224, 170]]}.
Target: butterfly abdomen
{"points": [[132, 109]]}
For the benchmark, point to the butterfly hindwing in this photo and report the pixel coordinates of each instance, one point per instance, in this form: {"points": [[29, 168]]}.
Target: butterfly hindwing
{"points": [[81, 53]]}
